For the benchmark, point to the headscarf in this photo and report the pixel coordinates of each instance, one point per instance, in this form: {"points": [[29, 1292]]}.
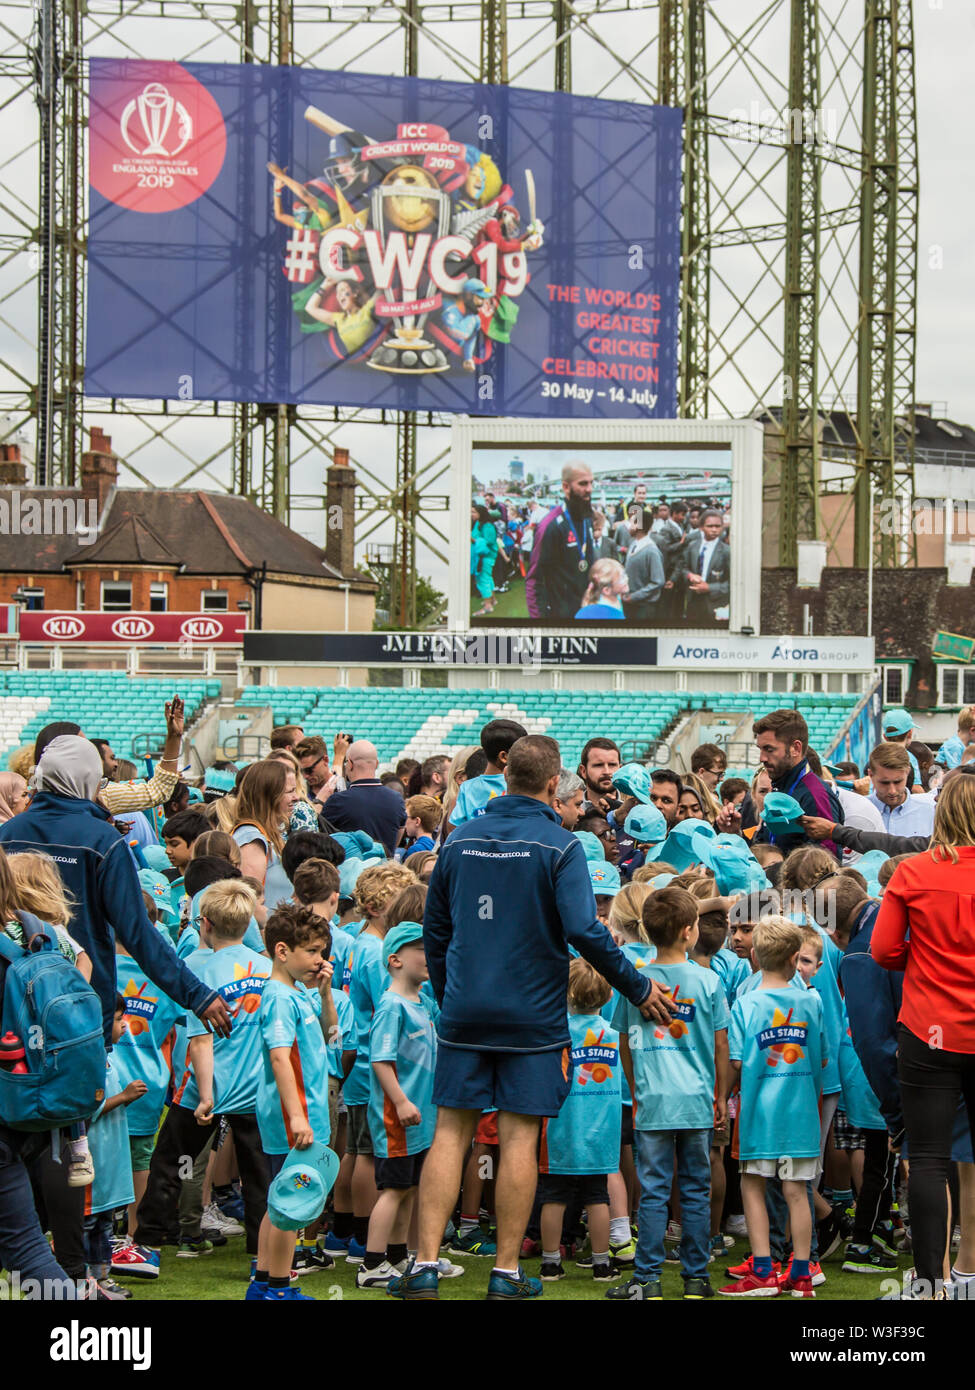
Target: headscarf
{"points": [[70, 766], [12, 786]]}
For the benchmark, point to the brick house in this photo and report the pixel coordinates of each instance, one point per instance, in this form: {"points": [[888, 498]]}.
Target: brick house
{"points": [[105, 548]]}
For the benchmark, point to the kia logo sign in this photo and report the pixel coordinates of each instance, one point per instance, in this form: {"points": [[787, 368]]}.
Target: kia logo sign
{"points": [[202, 629], [63, 627], [131, 629]]}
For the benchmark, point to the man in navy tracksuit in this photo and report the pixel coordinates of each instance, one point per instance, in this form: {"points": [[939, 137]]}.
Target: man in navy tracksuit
{"points": [[509, 894]]}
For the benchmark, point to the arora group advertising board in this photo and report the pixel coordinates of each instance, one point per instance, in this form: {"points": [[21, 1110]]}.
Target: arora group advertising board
{"points": [[277, 234]]}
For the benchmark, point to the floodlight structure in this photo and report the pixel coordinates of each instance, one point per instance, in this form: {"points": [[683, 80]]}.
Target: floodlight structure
{"points": [[798, 238]]}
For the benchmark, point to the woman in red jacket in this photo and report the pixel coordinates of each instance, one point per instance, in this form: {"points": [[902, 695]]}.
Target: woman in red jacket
{"points": [[926, 927]]}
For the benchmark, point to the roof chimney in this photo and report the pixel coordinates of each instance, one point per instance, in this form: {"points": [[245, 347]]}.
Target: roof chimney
{"points": [[99, 468], [13, 473], [340, 514]]}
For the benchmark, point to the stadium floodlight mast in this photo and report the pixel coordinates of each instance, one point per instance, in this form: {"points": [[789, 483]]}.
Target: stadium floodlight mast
{"points": [[798, 238]]}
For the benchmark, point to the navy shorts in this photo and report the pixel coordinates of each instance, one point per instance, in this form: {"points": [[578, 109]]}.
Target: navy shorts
{"points": [[400, 1172], [521, 1083], [275, 1162]]}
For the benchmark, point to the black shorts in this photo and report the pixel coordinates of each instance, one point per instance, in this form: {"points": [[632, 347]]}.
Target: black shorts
{"points": [[275, 1162], [562, 1189], [399, 1172], [626, 1134]]}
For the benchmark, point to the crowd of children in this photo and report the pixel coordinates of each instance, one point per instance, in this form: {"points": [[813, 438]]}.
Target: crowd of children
{"points": [[768, 1107]]}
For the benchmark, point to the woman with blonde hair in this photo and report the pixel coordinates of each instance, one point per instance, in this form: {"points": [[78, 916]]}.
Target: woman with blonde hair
{"points": [[454, 779], [304, 816], [604, 595], [926, 927], [265, 801], [222, 813], [13, 795]]}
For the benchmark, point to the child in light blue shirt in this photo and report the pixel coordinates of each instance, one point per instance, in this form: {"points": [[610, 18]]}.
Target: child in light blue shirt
{"points": [[680, 1079], [403, 1055], [108, 1141], [777, 1045], [580, 1148]]}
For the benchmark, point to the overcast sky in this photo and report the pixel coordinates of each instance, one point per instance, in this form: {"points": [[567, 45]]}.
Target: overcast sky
{"points": [[945, 45]]}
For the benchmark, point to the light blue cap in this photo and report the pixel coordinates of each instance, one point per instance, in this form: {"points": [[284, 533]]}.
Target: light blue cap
{"points": [[646, 825], [297, 1195], [605, 879], [592, 849], [633, 779]]}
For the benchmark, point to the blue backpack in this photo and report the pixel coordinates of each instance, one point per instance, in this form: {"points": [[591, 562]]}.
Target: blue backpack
{"points": [[57, 1015]]}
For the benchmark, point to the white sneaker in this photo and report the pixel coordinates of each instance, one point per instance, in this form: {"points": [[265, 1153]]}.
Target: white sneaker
{"points": [[736, 1226], [376, 1278], [81, 1171], [672, 1232], [446, 1270], [214, 1220]]}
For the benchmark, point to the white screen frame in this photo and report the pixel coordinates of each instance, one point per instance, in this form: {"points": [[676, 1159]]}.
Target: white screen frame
{"points": [[745, 439]]}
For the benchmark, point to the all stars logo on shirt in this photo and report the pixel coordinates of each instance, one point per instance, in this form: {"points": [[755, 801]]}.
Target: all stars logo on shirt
{"points": [[595, 1059], [784, 1039], [244, 990], [140, 1008], [686, 1009]]}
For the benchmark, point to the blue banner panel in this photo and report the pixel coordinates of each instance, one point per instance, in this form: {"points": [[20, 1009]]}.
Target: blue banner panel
{"points": [[276, 234]]}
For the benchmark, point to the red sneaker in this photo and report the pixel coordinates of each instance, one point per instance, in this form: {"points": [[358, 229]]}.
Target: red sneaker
{"points": [[751, 1286], [133, 1261], [815, 1272], [530, 1249], [802, 1287], [747, 1267]]}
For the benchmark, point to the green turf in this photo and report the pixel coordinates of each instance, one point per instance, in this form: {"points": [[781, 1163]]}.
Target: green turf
{"points": [[509, 605], [222, 1275]]}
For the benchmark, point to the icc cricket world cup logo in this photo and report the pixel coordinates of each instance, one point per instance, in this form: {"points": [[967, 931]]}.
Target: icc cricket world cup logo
{"points": [[156, 109]]}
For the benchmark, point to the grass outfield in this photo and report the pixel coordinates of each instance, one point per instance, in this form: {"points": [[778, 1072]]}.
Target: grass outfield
{"points": [[221, 1275]]}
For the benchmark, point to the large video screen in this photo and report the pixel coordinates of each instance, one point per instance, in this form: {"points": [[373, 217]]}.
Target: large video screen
{"points": [[580, 531]]}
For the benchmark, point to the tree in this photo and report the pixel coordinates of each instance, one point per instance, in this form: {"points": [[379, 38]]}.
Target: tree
{"points": [[431, 604]]}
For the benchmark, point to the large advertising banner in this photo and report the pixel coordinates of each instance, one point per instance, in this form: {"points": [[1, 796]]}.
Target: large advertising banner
{"points": [[277, 234]]}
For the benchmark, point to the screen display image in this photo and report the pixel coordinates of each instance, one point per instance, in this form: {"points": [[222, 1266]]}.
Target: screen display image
{"points": [[637, 535]]}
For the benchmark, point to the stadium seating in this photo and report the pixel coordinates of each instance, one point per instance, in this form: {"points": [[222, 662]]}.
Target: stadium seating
{"points": [[417, 723], [401, 722], [107, 704]]}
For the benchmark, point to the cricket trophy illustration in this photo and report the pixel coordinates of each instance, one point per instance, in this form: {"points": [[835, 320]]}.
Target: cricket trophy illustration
{"points": [[408, 253]]}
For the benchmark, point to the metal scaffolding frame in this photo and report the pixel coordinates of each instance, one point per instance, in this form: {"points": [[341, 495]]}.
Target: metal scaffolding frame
{"points": [[798, 241]]}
